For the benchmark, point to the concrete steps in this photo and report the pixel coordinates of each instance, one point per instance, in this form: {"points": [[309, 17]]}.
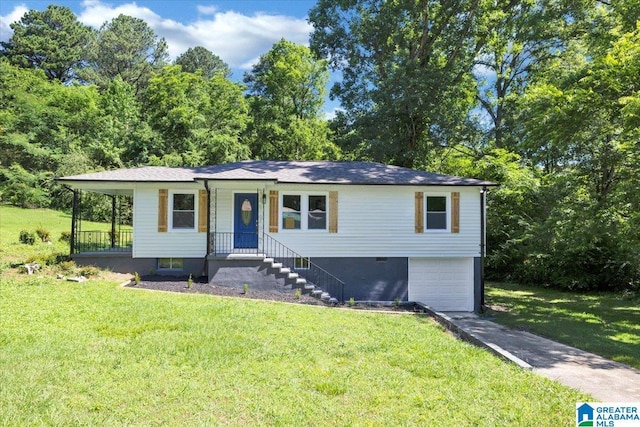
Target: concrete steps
{"points": [[294, 280]]}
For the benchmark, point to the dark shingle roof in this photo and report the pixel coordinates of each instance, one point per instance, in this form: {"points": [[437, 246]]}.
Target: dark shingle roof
{"points": [[318, 172]]}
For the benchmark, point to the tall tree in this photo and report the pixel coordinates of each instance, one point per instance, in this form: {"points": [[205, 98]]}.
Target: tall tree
{"points": [[286, 92], [51, 40], [406, 68], [199, 120], [129, 48], [202, 59]]}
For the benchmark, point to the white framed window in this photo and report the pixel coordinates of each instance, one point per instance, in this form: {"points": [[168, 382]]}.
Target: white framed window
{"points": [[300, 263], [183, 206], [304, 211], [170, 263], [437, 211]]}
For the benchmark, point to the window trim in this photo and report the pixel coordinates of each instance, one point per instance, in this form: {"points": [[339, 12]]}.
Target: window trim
{"points": [[171, 211], [304, 211], [447, 213]]}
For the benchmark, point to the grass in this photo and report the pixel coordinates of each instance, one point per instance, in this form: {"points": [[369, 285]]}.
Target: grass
{"points": [[607, 324], [96, 354], [13, 220]]}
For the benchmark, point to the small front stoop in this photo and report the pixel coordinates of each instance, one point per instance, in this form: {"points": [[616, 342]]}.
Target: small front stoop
{"points": [[294, 280]]}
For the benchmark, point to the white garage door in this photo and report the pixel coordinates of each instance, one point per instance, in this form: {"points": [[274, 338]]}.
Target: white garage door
{"points": [[444, 284]]}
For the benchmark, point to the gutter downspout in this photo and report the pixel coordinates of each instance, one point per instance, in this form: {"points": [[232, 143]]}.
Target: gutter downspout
{"points": [[483, 231]]}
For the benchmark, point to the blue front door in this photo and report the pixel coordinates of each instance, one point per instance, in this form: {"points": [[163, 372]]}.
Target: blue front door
{"points": [[245, 219]]}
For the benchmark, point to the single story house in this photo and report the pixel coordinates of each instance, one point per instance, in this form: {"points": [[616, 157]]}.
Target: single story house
{"points": [[339, 230]]}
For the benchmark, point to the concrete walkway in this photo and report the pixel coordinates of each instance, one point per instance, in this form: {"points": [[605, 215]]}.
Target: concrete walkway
{"points": [[604, 379]]}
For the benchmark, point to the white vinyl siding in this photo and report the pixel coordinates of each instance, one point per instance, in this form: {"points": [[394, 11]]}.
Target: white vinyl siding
{"points": [[147, 241], [379, 221]]}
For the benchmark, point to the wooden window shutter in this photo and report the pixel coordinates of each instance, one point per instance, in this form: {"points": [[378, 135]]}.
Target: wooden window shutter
{"points": [[273, 211], [455, 212], [333, 211], [202, 211], [163, 206], [419, 214]]}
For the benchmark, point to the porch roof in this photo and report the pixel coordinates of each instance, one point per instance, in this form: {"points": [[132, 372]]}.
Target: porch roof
{"points": [[294, 172]]}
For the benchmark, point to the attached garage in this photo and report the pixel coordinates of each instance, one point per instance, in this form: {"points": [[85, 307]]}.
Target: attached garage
{"points": [[444, 284]]}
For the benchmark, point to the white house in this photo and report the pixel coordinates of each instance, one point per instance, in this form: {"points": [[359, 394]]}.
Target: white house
{"points": [[342, 230]]}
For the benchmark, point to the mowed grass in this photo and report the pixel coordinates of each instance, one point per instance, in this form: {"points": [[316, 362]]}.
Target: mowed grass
{"points": [[98, 354], [13, 220], [607, 324]]}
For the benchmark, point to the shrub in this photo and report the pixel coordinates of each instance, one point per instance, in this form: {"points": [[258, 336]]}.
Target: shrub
{"points": [[136, 278], [352, 302], [65, 236], [89, 271], [43, 234], [67, 267], [298, 293], [27, 237]]}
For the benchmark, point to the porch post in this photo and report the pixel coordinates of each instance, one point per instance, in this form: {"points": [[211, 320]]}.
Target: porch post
{"points": [[74, 214], [113, 221]]}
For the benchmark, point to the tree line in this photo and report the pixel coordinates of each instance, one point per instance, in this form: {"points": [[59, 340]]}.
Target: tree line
{"points": [[541, 96]]}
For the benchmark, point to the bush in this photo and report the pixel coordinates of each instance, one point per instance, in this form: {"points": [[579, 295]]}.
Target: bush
{"points": [[67, 267], [89, 271], [43, 234], [27, 237], [65, 236]]}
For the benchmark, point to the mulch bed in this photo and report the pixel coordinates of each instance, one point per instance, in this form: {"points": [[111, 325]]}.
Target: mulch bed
{"points": [[201, 286]]}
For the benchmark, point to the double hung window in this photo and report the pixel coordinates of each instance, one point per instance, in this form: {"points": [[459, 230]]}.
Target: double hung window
{"points": [[183, 211], [436, 212], [304, 212]]}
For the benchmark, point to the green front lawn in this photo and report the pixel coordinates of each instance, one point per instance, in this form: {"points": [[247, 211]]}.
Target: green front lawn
{"points": [[607, 324], [97, 354]]}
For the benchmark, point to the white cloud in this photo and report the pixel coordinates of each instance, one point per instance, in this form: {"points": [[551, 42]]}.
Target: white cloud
{"points": [[206, 10], [236, 38], [15, 15]]}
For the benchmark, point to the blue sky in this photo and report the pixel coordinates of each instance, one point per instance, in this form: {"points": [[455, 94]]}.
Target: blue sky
{"points": [[238, 31]]}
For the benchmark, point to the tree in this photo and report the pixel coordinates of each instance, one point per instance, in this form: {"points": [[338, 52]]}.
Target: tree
{"points": [[286, 92], [406, 68], [199, 120], [52, 40], [201, 59], [129, 48]]}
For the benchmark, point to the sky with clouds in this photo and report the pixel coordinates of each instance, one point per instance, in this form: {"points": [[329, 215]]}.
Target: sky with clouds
{"points": [[238, 31]]}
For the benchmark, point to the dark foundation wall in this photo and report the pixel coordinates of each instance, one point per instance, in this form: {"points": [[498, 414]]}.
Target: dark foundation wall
{"points": [[124, 263], [370, 279]]}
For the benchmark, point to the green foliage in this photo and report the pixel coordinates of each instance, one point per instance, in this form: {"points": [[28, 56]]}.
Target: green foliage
{"points": [[65, 236], [43, 234], [27, 237], [126, 47], [286, 90], [298, 293], [52, 40], [351, 302], [245, 288], [189, 282], [201, 60], [136, 278], [199, 120]]}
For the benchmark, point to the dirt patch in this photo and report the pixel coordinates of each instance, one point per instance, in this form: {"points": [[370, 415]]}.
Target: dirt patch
{"points": [[201, 286]]}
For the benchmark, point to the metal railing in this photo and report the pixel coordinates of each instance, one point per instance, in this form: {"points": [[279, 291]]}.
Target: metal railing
{"points": [[103, 241], [254, 243]]}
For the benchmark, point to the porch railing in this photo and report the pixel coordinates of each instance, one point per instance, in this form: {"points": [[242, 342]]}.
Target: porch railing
{"points": [[264, 244], [103, 241]]}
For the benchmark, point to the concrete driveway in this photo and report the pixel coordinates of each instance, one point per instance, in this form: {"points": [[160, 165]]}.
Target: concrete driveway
{"points": [[604, 379]]}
